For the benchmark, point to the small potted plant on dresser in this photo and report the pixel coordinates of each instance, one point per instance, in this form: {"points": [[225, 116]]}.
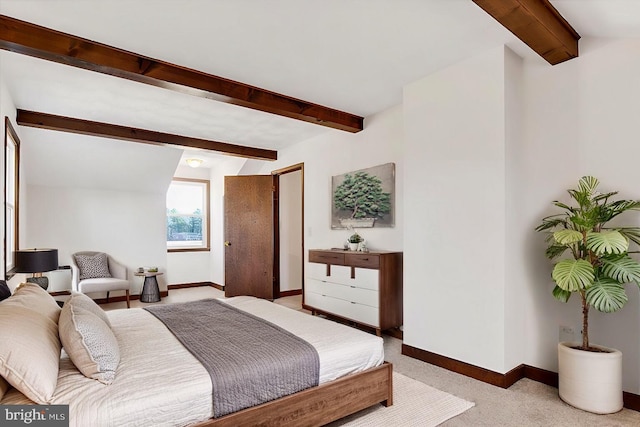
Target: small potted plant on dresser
{"points": [[354, 240], [599, 265]]}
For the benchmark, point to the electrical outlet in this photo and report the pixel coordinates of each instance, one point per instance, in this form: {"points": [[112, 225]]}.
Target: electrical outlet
{"points": [[566, 333]]}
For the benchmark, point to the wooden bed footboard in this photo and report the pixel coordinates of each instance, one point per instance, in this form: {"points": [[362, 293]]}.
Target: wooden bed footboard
{"points": [[319, 405]]}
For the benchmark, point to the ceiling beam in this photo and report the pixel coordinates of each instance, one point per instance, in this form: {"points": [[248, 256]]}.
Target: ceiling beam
{"points": [[538, 24], [106, 130], [40, 42]]}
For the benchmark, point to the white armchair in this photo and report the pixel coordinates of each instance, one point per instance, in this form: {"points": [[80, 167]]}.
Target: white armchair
{"points": [[117, 281]]}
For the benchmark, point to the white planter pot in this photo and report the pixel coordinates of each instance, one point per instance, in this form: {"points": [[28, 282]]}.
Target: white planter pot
{"points": [[353, 246], [590, 381]]}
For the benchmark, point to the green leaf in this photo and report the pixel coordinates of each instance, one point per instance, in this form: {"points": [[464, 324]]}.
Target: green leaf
{"points": [[621, 269], [606, 295], [607, 242], [551, 222], [561, 294], [572, 275], [588, 184], [554, 251], [604, 196], [631, 233], [567, 237], [563, 206]]}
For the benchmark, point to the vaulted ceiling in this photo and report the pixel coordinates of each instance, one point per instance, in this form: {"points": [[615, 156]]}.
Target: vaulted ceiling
{"points": [[351, 56]]}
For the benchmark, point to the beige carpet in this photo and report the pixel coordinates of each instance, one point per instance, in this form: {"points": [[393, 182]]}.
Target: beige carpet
{"points": [[414, 404]]}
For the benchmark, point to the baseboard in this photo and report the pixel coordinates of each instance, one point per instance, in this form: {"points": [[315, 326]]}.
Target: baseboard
{"points": [[290, 293], [475, 372], [631, 400], [195, 285]]}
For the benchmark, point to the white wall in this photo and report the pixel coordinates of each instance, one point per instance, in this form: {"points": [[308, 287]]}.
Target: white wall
{"points": [[129, 226], [515, 263], [291, 251], [455, 218], [335, 153], [581, 117]]}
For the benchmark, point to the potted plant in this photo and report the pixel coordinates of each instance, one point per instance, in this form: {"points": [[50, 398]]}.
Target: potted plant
{"points": [[354, 240], [597, 269], [361, 196]]}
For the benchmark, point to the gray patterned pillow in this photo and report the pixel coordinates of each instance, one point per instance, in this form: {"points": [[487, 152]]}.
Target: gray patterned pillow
{"points": [[93, 266], [89, 342]]}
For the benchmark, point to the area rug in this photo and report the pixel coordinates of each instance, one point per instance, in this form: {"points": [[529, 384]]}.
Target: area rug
{"points": [[414, 404]]}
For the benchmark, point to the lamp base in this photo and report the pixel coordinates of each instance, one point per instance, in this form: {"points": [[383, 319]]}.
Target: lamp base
{"points": [[43, 281]]}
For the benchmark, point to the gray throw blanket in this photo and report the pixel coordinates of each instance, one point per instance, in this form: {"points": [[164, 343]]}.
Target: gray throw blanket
{"points": [[250, 360]]}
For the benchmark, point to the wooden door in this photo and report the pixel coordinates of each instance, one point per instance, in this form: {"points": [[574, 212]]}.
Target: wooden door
{"points": [[248, 231]]}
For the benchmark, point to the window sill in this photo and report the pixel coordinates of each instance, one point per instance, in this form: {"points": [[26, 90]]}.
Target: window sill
{"points": [[169, 250]]}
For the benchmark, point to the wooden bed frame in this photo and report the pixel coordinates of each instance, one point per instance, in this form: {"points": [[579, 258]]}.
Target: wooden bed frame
{"points": [[319, 405]]}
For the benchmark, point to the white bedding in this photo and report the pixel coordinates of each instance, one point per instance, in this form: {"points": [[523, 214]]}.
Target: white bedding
{"points": [[159, 383]]}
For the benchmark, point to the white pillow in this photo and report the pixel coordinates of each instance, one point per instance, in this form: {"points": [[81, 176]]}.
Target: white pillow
{"points": [[32, 296], [81, 300], [89, 342], [29, 351]]}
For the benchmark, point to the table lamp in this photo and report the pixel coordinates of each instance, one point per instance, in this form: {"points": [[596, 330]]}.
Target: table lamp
{"points": [[36, 261]]}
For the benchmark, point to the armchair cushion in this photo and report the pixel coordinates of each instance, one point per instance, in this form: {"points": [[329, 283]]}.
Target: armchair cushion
{"points": [[93, 266], [102, 285]]}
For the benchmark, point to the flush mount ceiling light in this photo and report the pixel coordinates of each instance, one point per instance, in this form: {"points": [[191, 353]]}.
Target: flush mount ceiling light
{"points": [[194, 163]]}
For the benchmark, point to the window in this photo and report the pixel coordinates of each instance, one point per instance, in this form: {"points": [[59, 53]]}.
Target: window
{"points": [[11, 195], [188, 215]]}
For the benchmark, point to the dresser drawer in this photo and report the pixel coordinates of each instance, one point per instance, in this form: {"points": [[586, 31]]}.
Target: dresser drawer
{"points": [[319, 271], [348, 293], [363, 277], [362, 260], [326, 257], [357, 312]]}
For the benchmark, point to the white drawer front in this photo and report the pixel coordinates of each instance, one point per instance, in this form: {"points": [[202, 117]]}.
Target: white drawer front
{"points": [[364, 277], [358, 312], [318, 271], [348, 293]]}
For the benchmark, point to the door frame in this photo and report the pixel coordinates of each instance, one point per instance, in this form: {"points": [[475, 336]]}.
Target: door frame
{"points": [[276, 228]]}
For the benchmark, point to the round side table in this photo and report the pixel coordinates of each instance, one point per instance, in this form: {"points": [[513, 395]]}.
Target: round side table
{"points": [[150, 289]]}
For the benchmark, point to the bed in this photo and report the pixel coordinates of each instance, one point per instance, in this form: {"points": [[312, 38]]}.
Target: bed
{"points": [[159, 382]]}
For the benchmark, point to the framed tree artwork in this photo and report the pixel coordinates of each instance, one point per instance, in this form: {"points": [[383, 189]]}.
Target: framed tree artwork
{"points": [[364, 198]]}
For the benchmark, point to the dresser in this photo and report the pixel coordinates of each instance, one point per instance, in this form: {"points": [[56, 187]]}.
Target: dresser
{"points": [[362, 287]]}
